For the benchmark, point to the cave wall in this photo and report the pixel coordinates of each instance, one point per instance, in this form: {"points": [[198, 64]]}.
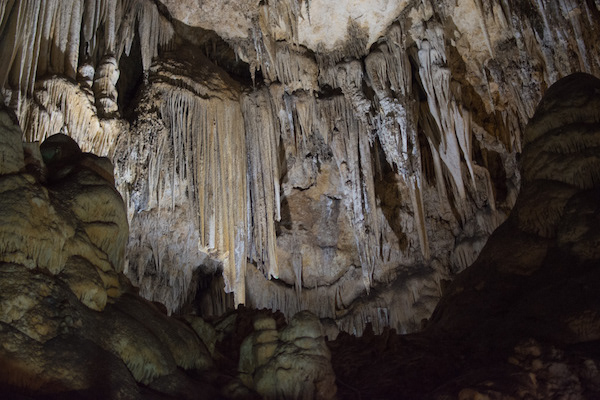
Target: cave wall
{"points": [[345, 161]]}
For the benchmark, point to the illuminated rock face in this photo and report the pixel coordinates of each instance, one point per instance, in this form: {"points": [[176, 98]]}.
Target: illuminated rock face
{"points": [[345, 161], [70, 322], [295, 361]]}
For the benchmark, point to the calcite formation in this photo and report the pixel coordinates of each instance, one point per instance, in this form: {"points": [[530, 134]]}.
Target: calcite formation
{"points": [[71, 324], [294, 363], [523, 321], [347, 157]]}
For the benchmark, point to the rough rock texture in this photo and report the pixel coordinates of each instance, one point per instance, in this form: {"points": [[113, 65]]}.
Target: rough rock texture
{"points": [[523, 321], [291, 364], [70, 324], [347, 161]]}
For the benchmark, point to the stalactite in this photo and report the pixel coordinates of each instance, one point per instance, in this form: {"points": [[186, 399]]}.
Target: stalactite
{"points": [[154, 31], [350, 145], [397, 118], [484, 28], [28, 29], [464, 135], [195, 172], [262, 133], [40, 38], [442, 105], [60, 105], [43, 38]]}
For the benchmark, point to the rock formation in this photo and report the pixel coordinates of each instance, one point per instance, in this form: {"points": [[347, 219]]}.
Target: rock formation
{"points": [[71, 324], [523, 322], [348, 159], [294, 363]]}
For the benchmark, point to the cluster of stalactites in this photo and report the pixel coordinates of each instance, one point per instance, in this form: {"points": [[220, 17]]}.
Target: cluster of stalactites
{"points": [[349, 123], [59, 105], [346, 122], [268, 52], [450, 118], [41, 38], [390, 75], [225, 152], [273, 116], [208, 147], [395, 115]]}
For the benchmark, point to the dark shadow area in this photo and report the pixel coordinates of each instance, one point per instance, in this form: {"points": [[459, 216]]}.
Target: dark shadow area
{"points": [[387, 192], [130, 79], [492, 161], [213, 47]]}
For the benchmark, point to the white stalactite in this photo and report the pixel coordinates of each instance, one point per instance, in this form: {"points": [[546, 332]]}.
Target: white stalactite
{"points": [[262, 133], [43, 37], [397, 119], [452, 122], [351, 151]]}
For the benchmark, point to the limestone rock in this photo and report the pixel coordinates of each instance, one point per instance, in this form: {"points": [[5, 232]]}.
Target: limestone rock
{"points": [[85, 282], [522, 321], [34, 303], [257, 349], [131, 341], [99, 208], [105, 86], [294, 363], [66, 366], [71, 325], [205, 331], [562, 243], [34, 162], [32, 232], [188, 351], [349, 158], [11, 149], [60, 153], [180, 386]]}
